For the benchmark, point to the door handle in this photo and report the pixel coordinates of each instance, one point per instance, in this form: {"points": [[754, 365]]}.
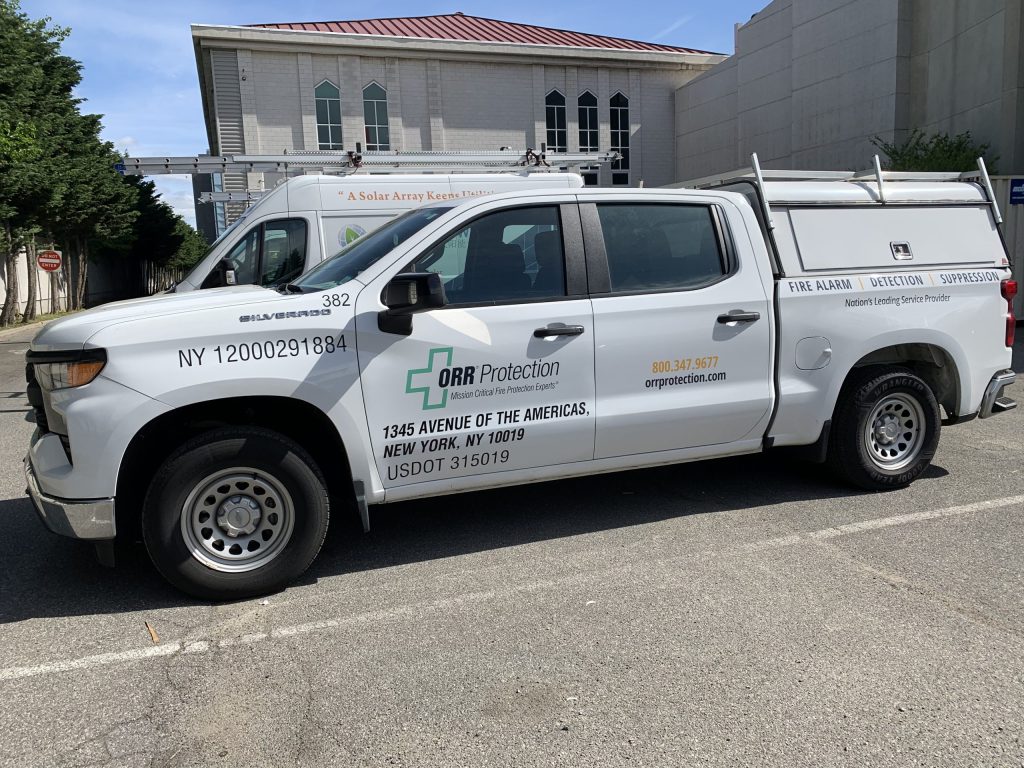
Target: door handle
{"points": [[739, 316], [558, 330]]}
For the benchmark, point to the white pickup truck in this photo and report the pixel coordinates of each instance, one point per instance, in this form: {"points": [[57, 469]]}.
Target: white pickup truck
{"points": [[522, 337]]}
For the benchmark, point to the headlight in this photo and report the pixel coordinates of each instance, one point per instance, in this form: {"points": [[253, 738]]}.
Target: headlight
{"points": [[62, 370]]}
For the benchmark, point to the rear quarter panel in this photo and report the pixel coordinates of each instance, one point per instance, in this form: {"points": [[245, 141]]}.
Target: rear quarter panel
{"points": [[961, 311]]}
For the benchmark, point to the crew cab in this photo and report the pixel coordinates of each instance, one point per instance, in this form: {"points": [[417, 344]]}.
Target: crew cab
{"points": [[523, 337]]}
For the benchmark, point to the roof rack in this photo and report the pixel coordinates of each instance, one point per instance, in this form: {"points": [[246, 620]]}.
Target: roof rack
{"points": [[347, 162], [758, 176]]}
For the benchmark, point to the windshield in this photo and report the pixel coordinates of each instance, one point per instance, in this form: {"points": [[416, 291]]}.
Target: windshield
{"points": [[367, 250]]}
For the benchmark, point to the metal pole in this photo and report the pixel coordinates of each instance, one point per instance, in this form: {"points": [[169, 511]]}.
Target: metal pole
{"points": [[878, 176], [988, 189], [769, 221]]}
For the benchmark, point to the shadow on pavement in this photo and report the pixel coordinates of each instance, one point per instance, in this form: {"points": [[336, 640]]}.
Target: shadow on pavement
{"points": [[45, 575]]}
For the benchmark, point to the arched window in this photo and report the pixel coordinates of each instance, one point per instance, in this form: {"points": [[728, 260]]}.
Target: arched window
{"points": [[328, 115], [619, 119], [375, 117], [587, 103], [554, 108], [588, 122]]}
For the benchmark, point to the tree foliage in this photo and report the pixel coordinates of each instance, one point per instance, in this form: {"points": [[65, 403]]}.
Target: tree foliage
{"points": [[937, 152], [57, 181]]}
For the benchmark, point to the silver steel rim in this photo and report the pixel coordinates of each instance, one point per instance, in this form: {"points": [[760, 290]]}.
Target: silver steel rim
{"points": [[894, 433], [237, 519]]}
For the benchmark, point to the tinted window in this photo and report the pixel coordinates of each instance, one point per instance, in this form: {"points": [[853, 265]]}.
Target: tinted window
{"points": [[660, 247], [284, 251], [504, 256], [367, 250]]}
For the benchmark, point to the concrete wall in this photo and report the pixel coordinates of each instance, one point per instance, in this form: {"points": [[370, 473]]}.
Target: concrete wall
{"points": [[967, 73], [811, 82]]}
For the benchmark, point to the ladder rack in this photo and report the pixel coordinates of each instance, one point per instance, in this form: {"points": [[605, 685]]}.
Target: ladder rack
{"points": [[342, 162], [875, 174], [231, 197]]}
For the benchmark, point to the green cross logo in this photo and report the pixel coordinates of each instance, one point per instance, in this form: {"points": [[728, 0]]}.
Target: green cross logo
{"points": [[426, 379]]}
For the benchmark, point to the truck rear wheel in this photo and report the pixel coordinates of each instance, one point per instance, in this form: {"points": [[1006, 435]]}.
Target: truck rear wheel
{"points": [[886, 429], [237, 512]]}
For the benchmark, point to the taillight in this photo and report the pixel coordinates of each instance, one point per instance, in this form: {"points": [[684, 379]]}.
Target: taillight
{"points": [[1009, 290]]}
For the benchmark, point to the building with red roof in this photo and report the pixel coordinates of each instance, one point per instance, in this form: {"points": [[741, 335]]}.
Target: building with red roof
{"points": [[443, 82]]}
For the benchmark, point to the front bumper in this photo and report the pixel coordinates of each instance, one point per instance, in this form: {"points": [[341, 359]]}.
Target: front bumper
{"points": [[91, 519], [994, 401]]}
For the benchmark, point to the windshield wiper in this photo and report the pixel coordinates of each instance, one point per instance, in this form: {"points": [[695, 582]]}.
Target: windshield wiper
{"points": [[291, 288]]}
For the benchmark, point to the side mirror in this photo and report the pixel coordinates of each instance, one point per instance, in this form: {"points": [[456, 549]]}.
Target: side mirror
{"points": [[222, 274], [407, 294], [227, 271]]}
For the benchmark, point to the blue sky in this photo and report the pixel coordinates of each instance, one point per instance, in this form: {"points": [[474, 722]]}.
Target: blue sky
{"points": [[139, 67]]}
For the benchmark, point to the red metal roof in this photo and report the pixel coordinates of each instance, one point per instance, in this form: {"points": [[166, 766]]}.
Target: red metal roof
{"points": [[458, 26]]}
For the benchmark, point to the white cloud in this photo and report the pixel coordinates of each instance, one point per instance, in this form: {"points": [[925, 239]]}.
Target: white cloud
{"points": [[681, 21]]}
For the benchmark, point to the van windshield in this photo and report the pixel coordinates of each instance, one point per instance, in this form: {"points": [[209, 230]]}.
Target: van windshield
{"points": [[367, 250]]}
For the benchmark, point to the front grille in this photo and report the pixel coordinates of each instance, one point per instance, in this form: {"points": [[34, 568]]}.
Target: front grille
{"points": [[35, 398]]}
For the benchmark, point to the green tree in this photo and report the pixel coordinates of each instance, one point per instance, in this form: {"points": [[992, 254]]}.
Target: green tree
{"points": [[56, 174], [192, 249], [159, 244], [36, 82], [91, 203], [938, 152]]}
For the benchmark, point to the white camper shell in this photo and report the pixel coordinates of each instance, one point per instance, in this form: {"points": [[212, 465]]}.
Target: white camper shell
{"points": [[306, 219]]}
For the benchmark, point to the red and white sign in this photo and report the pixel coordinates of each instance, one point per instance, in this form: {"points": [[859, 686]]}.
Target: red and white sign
{"points": [[49, 261]]}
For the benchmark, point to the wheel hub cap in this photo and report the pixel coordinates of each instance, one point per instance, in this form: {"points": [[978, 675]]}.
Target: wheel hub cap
{"points": [[887, 429], [894, 433], [237, 519], [238, 515]]}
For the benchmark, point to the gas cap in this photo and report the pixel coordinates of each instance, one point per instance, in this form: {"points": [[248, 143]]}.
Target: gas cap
{"points": [[813, 353]]}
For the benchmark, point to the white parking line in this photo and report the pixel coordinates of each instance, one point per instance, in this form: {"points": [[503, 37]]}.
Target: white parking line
{"points": [[102, 659], [206, 646], [885, 522]]}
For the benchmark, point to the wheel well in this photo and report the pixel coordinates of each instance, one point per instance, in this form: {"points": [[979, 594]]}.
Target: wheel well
{"points": [[306, 424], [931, 363]]}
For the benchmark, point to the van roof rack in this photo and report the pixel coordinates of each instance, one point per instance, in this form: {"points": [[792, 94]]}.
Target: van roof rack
{"points": [[346, 162], [758, 176]]}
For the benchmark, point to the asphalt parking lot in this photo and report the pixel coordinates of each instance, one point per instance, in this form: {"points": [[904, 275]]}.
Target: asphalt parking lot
{"points": [[741, 612]]}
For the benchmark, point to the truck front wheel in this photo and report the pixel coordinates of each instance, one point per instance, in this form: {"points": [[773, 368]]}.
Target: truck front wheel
{"points": [[885, 430], [236, 512]]}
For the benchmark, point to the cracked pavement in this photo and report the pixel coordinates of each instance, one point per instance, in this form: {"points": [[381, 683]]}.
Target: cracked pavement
{"points": [[632, 618]]}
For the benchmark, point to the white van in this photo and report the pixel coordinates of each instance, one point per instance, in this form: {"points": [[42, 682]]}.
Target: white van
{"points": [[304, 220]]}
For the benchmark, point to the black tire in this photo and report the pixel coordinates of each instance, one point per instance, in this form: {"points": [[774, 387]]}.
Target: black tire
{"points": [[872, 459], [290, 476]]}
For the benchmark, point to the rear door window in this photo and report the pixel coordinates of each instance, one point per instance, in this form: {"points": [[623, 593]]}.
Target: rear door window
{"points": [[660, 247]]}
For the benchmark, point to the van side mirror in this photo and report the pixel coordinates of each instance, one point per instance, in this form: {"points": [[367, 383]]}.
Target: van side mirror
{"points": [[407, 294], [221, 275], [227, 272]]}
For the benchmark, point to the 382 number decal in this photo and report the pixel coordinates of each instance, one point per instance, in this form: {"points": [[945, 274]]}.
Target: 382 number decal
{"points": [[336, 300]]}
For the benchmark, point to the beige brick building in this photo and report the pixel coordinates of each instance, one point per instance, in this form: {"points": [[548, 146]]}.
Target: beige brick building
{"points": [[439, 83]]}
